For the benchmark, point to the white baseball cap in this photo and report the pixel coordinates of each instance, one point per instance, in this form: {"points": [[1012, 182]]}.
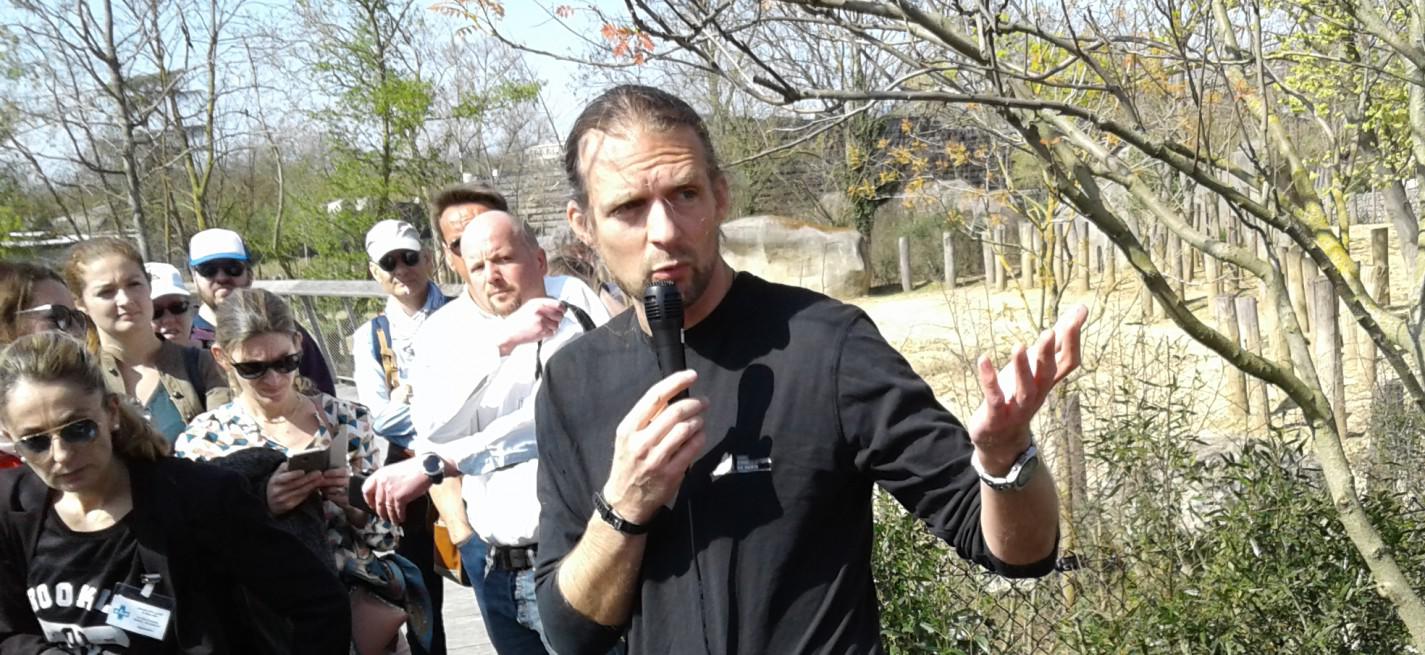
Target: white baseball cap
{"points": [[165, 280], [390, 235], [216, 243]]}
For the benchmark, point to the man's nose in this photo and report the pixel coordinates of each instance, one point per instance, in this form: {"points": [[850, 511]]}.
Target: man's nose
{"points": [[661, 222]]}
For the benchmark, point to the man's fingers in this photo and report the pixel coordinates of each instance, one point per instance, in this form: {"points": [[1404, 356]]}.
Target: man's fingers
{"points": [[678, 412], [1024, 383], [1069, 335], [669, 444], [655, 399], [1045, 366], [682, 458], [989, 382]]}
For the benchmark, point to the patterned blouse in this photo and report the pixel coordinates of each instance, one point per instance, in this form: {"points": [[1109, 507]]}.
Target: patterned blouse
{"points": [[231, 428]]}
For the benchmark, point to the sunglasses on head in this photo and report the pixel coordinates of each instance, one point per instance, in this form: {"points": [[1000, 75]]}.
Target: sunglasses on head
{"points": [[232, 267], [454, 247], [62, 318], [389, 261], [255, 370], [76, 433], [179, 308]]}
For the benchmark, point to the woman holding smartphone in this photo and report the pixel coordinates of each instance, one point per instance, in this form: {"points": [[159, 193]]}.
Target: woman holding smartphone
{"points": [[101, 526], [257, 342]]}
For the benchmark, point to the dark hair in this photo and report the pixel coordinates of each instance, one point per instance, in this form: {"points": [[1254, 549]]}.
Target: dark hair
{"points": [[17, 288], [462, 194], [85, 252], [626, 108], [55, 358]]}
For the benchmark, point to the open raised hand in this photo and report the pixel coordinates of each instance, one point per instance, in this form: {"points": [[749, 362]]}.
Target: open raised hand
{"points": [[999, 428]]}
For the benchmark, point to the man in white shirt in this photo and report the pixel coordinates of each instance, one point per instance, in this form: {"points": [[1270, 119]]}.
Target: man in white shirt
{"points": [[383, 350], [478, 366]]}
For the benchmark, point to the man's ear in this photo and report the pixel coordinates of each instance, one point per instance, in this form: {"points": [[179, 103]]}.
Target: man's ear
{"points": [[579, 222], [722, 195], [543, 259], [371, 268]]}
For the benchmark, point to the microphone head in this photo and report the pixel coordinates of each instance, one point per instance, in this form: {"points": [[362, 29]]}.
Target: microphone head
{"points": [[663, 303]]}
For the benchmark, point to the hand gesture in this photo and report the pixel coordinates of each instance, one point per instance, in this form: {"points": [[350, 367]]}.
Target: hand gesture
{"points": [[535, 320], [653, 447], [390, 488], [287, 489], [999, 428]]}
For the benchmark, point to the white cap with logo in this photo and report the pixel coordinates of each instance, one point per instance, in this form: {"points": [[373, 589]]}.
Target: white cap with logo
{"points": [[216, 243], [391, 235], [165, 280]]}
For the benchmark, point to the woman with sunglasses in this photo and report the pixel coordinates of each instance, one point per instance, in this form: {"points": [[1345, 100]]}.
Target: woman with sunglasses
{"points": [[101, 527], [172, 304], [172, 383], [258, 343], [33, 299]]}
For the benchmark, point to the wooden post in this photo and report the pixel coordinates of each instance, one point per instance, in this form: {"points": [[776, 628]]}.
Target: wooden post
{"points": [[1236, 380], [1041, 269], [1026, 255], [1110, 265], [1189, 259], [1296, 287], [947, 242], [987, 254], [1002, 271], [903, 247], [1173, 261], [1380, 290], [1081, 279], [1251, 331], [1380, 259], [1327, 344]]}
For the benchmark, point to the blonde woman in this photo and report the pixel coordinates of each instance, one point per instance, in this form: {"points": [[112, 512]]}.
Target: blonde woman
{"points": [[100, 518], [172, 383], [257, 342]]}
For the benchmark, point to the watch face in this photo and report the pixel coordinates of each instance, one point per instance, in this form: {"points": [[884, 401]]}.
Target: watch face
{"points": [[432, 464]]}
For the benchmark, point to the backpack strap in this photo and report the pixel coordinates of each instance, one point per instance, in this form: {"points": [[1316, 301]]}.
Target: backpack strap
{"points": [[195, 373], [383, 352]]}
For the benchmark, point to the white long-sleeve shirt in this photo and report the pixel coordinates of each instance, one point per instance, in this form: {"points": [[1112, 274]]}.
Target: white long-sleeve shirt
{"points": [[475, 408]]}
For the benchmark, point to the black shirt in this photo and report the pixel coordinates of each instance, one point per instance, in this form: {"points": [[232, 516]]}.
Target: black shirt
{"points": [[768, 546], [71, 581]]}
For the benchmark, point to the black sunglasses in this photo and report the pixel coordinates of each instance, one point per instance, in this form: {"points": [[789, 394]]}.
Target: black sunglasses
{"points": [[62, 318], [389, 260], [255, 370], [232, 267], [176, 308], [77, 433], [454, 247]]}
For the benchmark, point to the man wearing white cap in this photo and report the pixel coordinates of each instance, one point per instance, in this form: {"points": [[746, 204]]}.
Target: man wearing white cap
{"points": [[383, 352], [172, 304], [220, 265]]}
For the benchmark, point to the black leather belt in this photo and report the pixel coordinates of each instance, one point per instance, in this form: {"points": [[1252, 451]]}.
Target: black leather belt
{"points": [[513, 558]]}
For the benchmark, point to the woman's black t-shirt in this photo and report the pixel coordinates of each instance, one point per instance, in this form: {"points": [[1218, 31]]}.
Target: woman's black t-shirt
{"points": [[71, 581]]}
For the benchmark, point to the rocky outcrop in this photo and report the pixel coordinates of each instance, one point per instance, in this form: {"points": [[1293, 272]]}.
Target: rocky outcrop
{"points": [[821, 258]]}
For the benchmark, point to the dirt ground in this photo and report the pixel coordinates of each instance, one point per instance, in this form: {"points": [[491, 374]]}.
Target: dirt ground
{"points": [[941, 332]]}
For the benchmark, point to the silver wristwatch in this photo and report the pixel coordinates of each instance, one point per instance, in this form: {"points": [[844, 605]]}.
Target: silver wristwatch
{"points": [[1018, 475]]}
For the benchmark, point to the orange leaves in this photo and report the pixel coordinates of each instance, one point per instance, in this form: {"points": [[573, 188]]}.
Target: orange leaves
{"points": [[627, 42]]}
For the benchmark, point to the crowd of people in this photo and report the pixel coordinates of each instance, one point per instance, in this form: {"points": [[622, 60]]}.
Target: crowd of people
{"points": [[184, 477]]}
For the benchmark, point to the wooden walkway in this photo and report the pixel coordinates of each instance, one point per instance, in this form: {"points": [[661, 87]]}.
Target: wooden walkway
{"points": [[464, 628]]}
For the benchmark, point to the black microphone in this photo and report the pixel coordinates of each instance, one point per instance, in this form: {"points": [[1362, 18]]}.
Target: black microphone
{"points": [[663, 307]]}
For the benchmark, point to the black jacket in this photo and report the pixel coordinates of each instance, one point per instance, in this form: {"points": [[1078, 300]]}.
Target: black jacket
{"points": [[216, 548]]}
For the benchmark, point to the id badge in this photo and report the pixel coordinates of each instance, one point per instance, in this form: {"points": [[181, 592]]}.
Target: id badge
{"points": [[140, 611]]}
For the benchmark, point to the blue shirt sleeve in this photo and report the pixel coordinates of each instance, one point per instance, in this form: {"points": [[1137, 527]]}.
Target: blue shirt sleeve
{"points": [[390, 421]]}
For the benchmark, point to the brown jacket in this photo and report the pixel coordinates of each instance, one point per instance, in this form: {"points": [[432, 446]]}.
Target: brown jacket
{"points": [[173, 373]]}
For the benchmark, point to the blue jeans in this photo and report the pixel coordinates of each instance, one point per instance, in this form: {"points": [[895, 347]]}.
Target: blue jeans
{"points": [[507, 603], [472, 560]]}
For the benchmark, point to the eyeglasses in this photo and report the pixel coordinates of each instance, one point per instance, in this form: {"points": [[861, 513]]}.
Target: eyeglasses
{"points": [[62, 318], [255, 370], [389, 260], [77, 433], [232, 267], [179, 308], [454, 247]]}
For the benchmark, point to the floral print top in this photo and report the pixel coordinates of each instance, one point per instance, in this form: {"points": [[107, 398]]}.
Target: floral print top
{"points": [[231, 428]]}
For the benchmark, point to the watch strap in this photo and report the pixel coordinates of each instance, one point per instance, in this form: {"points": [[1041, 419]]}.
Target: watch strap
{"points": [[1018, 475], [611, 517]]}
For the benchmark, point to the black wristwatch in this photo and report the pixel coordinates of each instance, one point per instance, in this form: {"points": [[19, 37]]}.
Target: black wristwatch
{"points": [[434, 468], [607, 513]]}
